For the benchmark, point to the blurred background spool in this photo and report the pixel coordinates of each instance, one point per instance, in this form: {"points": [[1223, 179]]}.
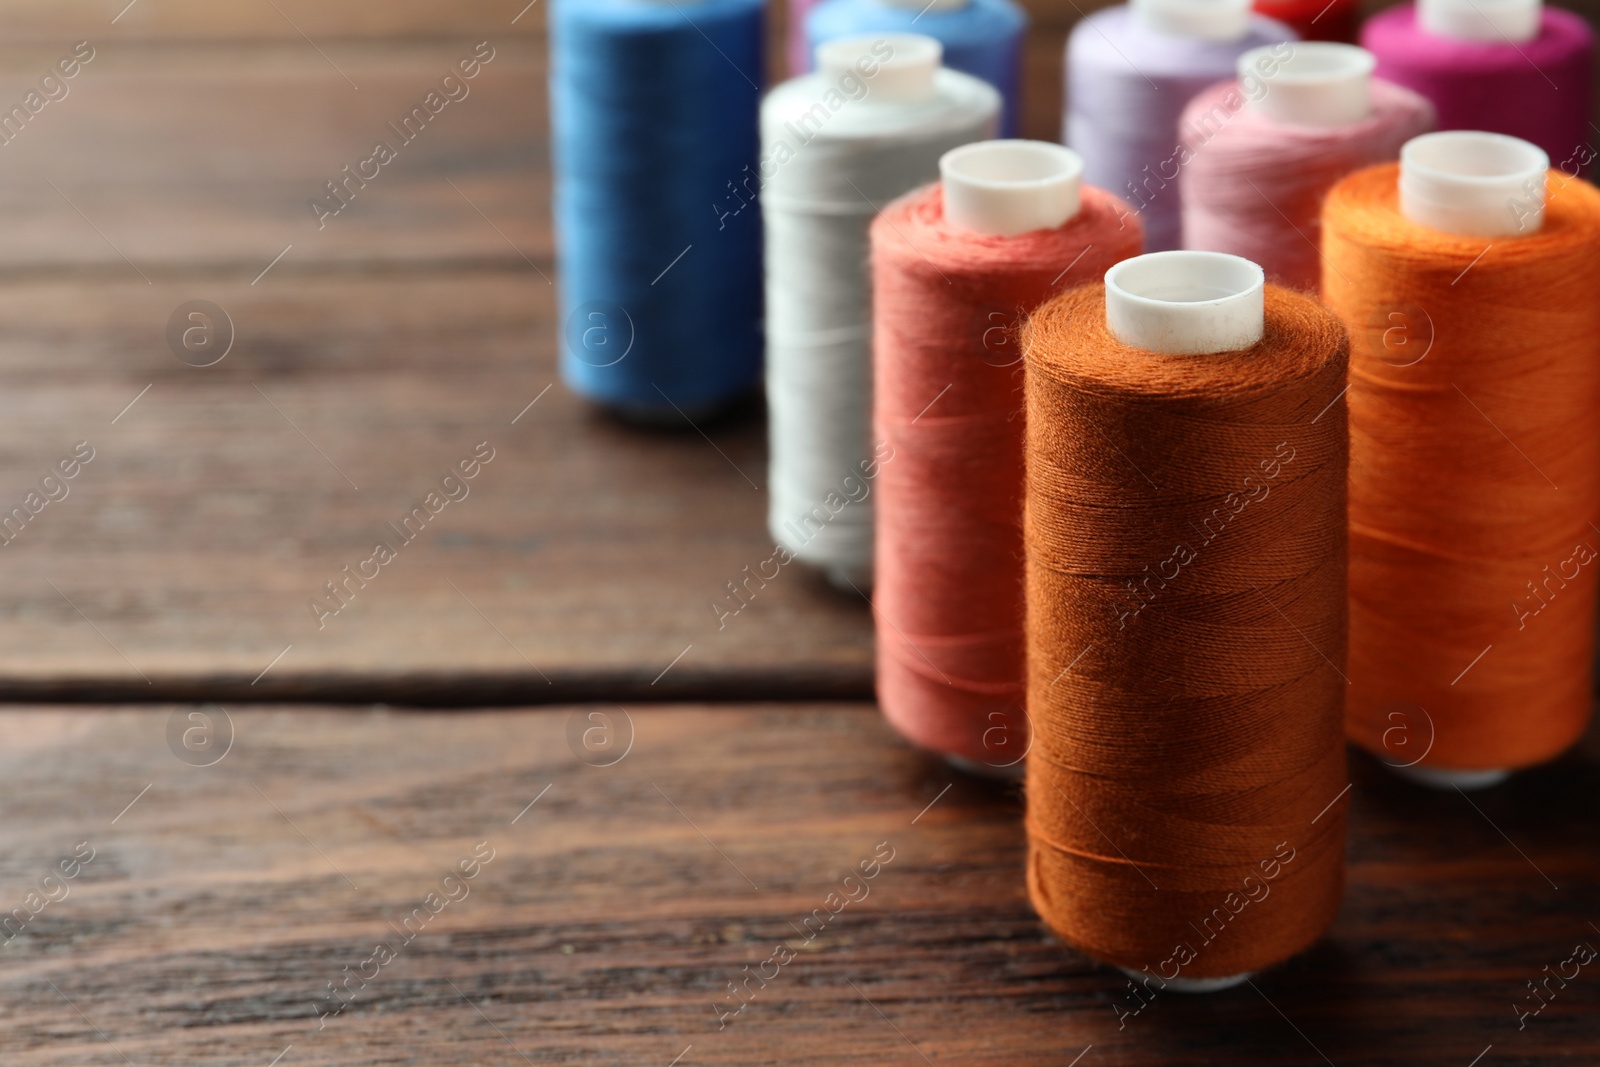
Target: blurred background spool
{"points": [[797, 48], [837, 145], [1473, 390], [1267, 148], [1130, 71], [956, 267], [982, 38], [651, 129], [1185, 536], [1503, 66], [1316, 20]]}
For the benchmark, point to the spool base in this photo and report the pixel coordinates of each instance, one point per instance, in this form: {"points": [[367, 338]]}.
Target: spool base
{"points": [[1194, 985], [1449, 778], [659, 418], [1013, 773]]}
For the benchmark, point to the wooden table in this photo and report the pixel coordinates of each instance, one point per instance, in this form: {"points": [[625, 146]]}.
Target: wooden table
{"points": [[233, 879], [622, 899]]}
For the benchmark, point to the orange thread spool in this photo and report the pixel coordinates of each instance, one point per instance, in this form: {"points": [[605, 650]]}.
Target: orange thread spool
{"points": [[1185, 535], [1474, 386], [948, 401]]}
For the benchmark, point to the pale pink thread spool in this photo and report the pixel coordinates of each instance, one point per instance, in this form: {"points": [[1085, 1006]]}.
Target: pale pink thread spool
{"points": [[1264, 151]]}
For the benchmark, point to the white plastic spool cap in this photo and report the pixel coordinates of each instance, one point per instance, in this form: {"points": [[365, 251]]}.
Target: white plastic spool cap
{"points": [[1473, 184], [1205, 20], [905, 76], [1317, 84], [1186, 303], [1010, 187], [1501, 21]]}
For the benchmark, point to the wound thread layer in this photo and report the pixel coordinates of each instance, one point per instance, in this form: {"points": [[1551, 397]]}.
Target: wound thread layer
{"points": [[1185, 539]]}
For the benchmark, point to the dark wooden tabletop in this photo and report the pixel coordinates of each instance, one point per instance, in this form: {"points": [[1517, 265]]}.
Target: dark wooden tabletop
{"points": [[692, 850], [659, 804]]}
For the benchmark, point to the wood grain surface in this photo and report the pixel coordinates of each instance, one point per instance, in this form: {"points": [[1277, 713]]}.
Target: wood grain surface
{"points": [[368, 360], [221, 900], [583, 562]]}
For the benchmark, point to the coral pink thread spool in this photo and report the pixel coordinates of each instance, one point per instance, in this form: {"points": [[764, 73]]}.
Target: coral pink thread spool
{"points": [[956, 268]]}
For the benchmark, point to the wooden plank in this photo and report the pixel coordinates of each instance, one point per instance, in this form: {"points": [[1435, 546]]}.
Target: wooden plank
{"points": [[584, 561], [221, 900], [122, 21], [201, 161]]}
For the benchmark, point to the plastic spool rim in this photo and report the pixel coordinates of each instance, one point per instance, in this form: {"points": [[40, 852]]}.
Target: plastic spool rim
{"points": [[907, 76], [1319, 83], [1499, 21], [1474, 184], [1186, 303], [932, 5], [1181, 984], [1205, 20], [1009, 187], [1449, 778]]}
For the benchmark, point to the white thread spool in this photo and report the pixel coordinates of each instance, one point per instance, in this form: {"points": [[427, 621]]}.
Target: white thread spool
{"points": [[1187, 304], [868, 126], [1477, 185], [1318, 84]]}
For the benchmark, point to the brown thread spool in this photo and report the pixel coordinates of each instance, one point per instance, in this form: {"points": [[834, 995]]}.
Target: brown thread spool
{"points": [[1186, 606]]}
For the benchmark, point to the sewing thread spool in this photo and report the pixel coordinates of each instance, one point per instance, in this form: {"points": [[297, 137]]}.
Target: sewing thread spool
{"points": [[1473, 389], [839, 144], [1316, 20], [797, 48], [1512, 66], [1185, 539], [660, 288], [1130, 71], [982, 38], [1266, 149], [956, 268]]}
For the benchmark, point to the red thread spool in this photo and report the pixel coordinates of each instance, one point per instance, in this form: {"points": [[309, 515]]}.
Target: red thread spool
{"points": [[956, 268], [1316, 20]]}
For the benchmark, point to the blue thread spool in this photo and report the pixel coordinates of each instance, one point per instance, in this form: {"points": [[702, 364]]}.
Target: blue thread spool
{"points": [[654, 126], [980, 37]]}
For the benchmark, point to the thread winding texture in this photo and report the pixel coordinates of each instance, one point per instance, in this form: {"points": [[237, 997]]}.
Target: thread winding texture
{"points": [[1254, 187], [983, 39], [660, 290], [1538, 90], [948, 401], [1126, 89], [1473, 387], [1316, 20], [1185, 538], [825, 178]]}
